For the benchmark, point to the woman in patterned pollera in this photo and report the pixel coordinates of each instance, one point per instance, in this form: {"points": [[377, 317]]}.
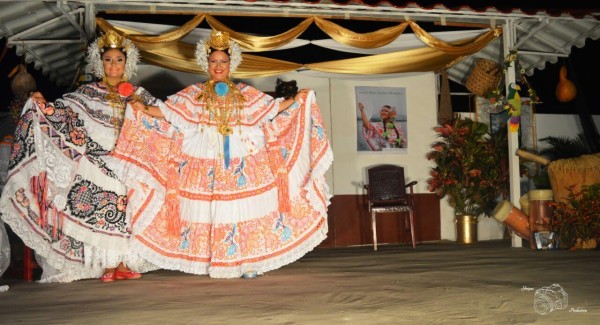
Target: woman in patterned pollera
{"points": [[236, 178], [61, 199]]}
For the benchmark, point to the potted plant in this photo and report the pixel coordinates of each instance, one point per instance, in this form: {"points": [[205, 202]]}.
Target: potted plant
{"points": [[576, 220], [471, 170]]}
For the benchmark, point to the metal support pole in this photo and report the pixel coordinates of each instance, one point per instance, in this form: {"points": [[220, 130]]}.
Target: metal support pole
{"points": [[508, 38]]}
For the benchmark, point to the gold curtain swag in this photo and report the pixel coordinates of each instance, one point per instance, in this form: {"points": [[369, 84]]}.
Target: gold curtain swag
{"points": [[180, 57], [145, 42], [258, 43], [435, 56], [370, 40], [416, 60], [477, 44]]}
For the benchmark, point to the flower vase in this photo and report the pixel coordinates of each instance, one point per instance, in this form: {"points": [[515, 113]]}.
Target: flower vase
{"points": [[466, 229]]}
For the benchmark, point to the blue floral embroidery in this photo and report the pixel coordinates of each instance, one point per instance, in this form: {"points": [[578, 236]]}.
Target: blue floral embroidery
{"points": [[211, 173], [239, 170], [320, 131], [185, 243], [230, 239], [286, 232], [182, 164], [149, 125]]}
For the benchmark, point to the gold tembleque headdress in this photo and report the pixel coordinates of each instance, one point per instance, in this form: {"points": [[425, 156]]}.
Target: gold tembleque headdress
{"points": [[219, 41], [113, 40]]}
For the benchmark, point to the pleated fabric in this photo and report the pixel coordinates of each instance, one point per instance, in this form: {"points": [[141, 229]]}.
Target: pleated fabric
{"points": [[225, 205], [60, 198]]}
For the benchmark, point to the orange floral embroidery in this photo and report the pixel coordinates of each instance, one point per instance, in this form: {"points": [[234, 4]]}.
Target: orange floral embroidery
{"points": [[77, 136], [47, 109], [121, 203]]}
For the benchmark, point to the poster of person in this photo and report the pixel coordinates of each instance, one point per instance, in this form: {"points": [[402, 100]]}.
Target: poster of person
{"points": [[381, 119]]}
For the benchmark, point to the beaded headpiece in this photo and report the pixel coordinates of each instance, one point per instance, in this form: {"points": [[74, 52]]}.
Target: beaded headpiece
{"points": [[113, 40], [218, 41]]}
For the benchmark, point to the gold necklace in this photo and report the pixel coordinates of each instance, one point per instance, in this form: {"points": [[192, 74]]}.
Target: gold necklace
{"points": [[223, 108], [114, 99]]}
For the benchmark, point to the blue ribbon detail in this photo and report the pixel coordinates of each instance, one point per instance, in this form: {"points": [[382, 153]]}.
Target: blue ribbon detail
{"points": [[226, 151], [222, 89]]}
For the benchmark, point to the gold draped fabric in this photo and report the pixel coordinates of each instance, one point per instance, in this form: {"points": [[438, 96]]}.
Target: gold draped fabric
{"points": [[180, 57], [469, 47], [167, 51], [145, 42], [257, 43], [370, 40], [416, 60]]}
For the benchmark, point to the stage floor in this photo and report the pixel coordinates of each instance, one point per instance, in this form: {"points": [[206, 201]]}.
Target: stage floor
{"points": [[436, 283]]}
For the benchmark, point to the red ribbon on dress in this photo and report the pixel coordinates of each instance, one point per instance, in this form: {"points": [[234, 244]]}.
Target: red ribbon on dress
{"points": [[277, 165], [283, 192], [172, 201], [38, 186]]}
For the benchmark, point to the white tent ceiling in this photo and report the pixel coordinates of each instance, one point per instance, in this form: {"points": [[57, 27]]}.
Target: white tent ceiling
{"points": [[52, 34]]}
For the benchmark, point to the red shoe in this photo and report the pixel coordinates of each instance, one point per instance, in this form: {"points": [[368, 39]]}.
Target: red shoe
{"points": [[108, 277], [127, 275]]}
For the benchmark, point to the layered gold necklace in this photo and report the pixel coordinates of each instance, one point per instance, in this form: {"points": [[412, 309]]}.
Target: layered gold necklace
{"points": [[224, 102], [117, 104]]}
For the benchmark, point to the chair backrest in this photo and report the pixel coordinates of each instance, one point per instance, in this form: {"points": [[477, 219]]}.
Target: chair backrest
{"points": [[386, 185]]}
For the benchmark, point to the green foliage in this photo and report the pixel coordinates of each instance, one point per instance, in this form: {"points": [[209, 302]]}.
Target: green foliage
{"points": [[559, 148], [578, 218], [471, 166], [565, 147]]}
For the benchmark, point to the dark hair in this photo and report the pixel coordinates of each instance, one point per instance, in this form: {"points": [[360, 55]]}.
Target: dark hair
{"points": [[104, 49], [212, 50], [385, 124]]}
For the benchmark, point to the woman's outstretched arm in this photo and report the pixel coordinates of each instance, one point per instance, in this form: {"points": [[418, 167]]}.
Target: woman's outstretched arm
{"points": [[365, 120], [153, 111], [301, 95]]}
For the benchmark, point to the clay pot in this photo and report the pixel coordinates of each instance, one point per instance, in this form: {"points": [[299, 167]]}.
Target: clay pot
{"points": [[22, 83], [512, 217], [565, 89]]}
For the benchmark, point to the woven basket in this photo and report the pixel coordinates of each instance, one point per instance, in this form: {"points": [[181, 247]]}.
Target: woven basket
{"points": [[573, 173], [484, 77]]}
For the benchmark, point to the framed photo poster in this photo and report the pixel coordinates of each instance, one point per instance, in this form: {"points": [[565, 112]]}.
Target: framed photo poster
{"points": [[381, 119]]}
